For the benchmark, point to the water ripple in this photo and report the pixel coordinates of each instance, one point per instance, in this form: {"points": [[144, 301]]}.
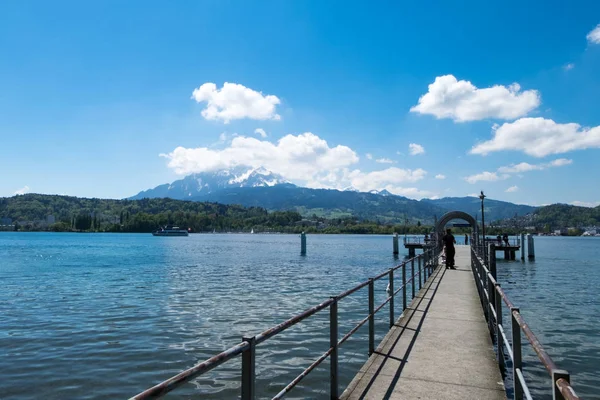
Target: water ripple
{"points": [[106, 316]]}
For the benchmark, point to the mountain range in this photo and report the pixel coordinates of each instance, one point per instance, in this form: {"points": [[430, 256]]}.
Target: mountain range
{"points": [[263, 188], [195, 185]]}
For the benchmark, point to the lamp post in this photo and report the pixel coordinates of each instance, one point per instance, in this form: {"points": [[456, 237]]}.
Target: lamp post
{"points": [[482, 196]]}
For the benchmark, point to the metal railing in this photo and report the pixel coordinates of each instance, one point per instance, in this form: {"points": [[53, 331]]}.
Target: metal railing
{"points": [[511, 241], [492, 297], [418, 240], [426, 262]]}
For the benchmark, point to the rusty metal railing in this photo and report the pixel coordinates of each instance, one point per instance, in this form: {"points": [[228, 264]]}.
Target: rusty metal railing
{"points": [[426, 264], [492, 297]]}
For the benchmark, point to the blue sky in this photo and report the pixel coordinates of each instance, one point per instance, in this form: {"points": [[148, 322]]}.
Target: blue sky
{"points": [[92, 93]]}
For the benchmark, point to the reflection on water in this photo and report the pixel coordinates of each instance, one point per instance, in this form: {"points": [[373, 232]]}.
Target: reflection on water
{"points": [[96, 316], [107, 315]]}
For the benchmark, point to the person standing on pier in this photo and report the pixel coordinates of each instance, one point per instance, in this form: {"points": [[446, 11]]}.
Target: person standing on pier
{"points": [[449, 242], [466, 239]]}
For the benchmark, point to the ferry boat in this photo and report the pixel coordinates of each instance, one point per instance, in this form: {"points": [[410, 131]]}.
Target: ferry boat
{"points": [[170, 230]]}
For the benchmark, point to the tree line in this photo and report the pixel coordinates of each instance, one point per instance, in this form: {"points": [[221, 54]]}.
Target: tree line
{"points": [[30, 211]]}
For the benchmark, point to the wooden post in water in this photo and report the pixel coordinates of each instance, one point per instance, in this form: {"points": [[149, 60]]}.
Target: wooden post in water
{"points": [[303, 244], [395, 239], [522, 246], [530, 247]]}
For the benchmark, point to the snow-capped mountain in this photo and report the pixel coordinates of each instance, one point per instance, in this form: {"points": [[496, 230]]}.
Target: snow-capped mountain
{"points": [[207, 182], [383, 192]]}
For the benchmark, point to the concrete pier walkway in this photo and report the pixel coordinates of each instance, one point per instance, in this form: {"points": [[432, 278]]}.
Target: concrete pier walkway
{"points": [[440, 347]]}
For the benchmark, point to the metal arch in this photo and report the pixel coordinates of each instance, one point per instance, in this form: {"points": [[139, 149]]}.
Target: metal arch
{"points": [[449, 216]]}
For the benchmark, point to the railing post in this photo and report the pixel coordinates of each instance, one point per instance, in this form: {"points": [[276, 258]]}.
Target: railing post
{"points": [[516, 350], [248, 369], [556, 375], [420, 281], [499, 324], [333, 358], [412, 277], [472, 258], [482, 273], [371, 316], [391, 275], [492, 261], [403, 286], [491, 306], [425, 261]]}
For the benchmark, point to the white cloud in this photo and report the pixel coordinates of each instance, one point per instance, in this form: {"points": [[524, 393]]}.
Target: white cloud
{"points": [[473, 195], [235, 101], [390, 179], [486, 176], [462, 101], [261, 132], [560, 162], [305, 158], [539, 137], [594, 35], [512, 189], [23, 190], [415, 149], [505, 171], [586, 203], [440, 176], [223, 137], [569, 67], [525, 167], [373, 180], [384, 161], [299, 157], [369, 156]]}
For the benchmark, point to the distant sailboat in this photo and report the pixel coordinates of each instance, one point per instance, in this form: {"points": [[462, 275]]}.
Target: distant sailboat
{"points": [[252, 231], [214, 231]]}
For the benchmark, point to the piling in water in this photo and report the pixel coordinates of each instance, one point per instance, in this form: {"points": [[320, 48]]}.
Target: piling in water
{"points": [[395, 239], [530, 247], [303, 244], [522, 246]]}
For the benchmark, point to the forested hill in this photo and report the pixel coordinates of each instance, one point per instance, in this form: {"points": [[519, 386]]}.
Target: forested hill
{"points": [[557, 216], [494, 209], [36, 211]]}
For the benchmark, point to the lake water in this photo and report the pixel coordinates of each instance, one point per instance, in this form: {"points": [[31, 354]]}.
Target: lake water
{"points": [[92, 316]]}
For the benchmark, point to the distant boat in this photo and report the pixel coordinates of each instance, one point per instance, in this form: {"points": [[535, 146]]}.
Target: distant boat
{"points": [[214, 231], [252, 231], [170, 230]]}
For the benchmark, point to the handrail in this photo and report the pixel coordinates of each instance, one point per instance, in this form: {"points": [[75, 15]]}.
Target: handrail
{"points": [[165, 387], [292, 321], [427, 262], [492, 297]]}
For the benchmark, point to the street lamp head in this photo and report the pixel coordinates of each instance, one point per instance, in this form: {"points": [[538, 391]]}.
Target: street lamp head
{"points": [[482, 196]]}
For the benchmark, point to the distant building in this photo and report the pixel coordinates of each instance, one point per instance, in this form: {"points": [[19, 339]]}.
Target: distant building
{"points": [[50, 219], [5, 221], [306, 222]]}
